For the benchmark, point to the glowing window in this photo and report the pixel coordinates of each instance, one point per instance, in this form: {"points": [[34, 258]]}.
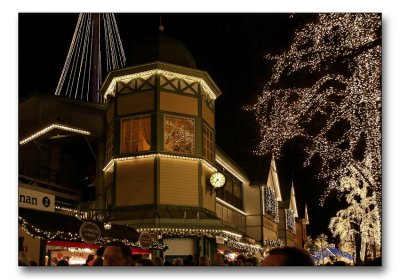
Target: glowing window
{"points": [[179, 134], [135, 134]]}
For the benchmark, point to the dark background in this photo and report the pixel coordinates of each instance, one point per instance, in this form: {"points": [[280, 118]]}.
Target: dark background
{"points": [[230, 47]]}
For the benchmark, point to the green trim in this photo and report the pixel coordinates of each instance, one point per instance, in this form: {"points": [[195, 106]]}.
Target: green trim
{"points": [[213, 143], [156, 181], [159, 118], [161, 66], [182, 85], [114, 186], [200, 188]]}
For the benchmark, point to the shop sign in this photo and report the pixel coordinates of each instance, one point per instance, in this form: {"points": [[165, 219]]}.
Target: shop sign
{"points": [[89, 232], [219, 239], [145, 240], [35, 200]]}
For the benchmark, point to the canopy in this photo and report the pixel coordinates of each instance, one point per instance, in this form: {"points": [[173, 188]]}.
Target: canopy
{"points": [[318, 255]]}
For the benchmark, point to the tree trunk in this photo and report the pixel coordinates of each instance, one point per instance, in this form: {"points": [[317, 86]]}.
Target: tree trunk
{"points": [[358, 249]]}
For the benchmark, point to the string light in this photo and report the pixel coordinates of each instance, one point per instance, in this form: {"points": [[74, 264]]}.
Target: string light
{"points": [[362, 216], [336, 104], [269, 202], [179, 134], [232, 239], [210, 95], [35, 232], [110, 164], [51, 127], [77, 74], [290, 221]]}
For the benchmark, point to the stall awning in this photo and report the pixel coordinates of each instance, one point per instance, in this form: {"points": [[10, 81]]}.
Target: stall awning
{"points": [[72, 244], [56, 226]]}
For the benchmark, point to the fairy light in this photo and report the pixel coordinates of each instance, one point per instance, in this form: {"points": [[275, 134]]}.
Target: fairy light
{"points": [[362, 216], [290, 222], [35, 232], [146, 74], [232, 239], [349, 93], [110, 164], [269, 202], [77, 74], [51, 127], [179, 134]]}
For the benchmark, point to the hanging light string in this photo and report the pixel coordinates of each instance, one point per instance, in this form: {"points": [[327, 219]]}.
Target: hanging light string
{"points": [[76, 75], [35, 232]]}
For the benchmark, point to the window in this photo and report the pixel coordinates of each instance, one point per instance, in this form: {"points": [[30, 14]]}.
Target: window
{"points": [[135, 134], [207, 143], [290, 221], [270, 204], [231, 192], [179, 134], [109, 143]]}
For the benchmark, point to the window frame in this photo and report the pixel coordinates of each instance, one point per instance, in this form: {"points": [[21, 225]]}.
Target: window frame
{"points": [[207, 142], [193, 152], [122, 138]]}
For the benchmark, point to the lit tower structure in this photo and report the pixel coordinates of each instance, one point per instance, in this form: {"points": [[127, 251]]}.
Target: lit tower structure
{"points": [[160, 147], [95, 42]]}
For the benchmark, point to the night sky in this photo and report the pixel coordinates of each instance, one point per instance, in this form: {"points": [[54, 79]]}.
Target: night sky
{"points": [[230, 47]]}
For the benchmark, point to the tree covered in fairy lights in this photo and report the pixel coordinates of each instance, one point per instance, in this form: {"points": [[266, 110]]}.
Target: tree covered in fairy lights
{"points": [[326, 88], [360, 222]]}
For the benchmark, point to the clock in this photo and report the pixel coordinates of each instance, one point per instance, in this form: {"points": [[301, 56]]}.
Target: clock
{"points": [[217, 180]]}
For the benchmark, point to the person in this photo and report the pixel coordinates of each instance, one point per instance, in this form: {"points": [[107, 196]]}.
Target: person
{"points": [[23, 259], [157, 261], [289, 256], [177, 262], [135, 258], [116, 253], [204, 261], [219, 259], [54, 261], [144, 262], [188, 261], [251, 262], [167, 263], [240, 260], [89, 260], [63, 262], [98, 261], [340, 263]]}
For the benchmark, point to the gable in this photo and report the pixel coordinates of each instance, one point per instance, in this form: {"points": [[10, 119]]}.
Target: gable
{"points": [[273, 180]]}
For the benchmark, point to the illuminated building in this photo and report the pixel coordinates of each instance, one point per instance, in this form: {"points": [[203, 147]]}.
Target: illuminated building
{"points": [[144, 159]]}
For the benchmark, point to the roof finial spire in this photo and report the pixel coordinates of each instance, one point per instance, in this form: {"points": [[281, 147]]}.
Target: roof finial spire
{"points": [[161, 27]]}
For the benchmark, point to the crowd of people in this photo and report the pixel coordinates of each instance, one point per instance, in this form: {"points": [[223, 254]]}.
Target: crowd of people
{"points": [[116, 253]]}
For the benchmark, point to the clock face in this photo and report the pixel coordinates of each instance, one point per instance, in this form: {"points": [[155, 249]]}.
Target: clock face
{"points": [[217, 179]]}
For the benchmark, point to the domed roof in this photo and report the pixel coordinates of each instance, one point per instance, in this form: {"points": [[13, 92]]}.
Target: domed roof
{"points": [[163, 48]]}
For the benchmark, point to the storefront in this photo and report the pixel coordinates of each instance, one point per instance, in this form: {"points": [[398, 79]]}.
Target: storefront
{"points": [[44, 235], [77, 252]]}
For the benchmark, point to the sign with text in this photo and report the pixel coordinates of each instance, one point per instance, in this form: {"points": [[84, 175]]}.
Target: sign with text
{"points": [[145, 240], [35, 200], [220, 239], [89, 232]]}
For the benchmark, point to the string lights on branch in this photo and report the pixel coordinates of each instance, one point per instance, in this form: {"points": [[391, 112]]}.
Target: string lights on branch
{"points": [[326, 88]]}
